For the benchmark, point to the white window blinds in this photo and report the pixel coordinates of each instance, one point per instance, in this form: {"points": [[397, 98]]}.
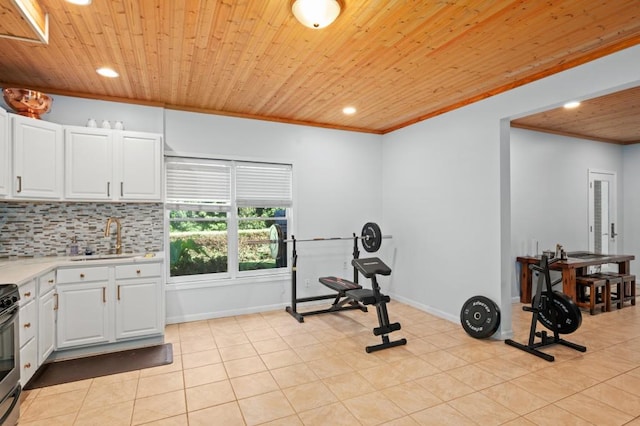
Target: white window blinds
{"points": [[198, 181], [264, 185]]}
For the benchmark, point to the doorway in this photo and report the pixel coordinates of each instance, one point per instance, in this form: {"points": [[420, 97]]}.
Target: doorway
{"points": [[602, 212]]}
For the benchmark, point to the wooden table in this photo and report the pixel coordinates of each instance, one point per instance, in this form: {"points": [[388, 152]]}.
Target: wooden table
{"points": [[570, 268]]}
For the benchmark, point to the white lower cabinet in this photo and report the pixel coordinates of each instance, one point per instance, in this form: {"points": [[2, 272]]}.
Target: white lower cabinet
{"points": [[73, 307], [95, 307], [83, 317], [138, 300], [46, 326], [46, 316]]}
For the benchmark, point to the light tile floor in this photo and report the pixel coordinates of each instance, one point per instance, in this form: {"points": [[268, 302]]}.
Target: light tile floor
{"points": [[269, 369]]}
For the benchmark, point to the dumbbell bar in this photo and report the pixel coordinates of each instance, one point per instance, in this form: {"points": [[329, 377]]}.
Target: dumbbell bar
{"points": [[370, 236]]}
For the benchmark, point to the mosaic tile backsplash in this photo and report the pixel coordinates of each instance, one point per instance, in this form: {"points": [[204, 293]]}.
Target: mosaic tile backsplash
{"points": [[46, 229]]}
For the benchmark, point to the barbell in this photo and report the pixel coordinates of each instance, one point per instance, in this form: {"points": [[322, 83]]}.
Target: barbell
{"points": [[371, 238]]}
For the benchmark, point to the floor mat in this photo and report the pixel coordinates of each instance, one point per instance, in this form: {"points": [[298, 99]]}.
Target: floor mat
{"points": [[55, 373]]}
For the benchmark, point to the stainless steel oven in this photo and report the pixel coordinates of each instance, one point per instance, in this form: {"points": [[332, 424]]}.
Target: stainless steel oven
{"points": [[9, 355]]}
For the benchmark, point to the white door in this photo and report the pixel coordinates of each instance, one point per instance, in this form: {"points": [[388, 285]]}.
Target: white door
{"points": [[602, 212], [83, 317], [37, 158], [46, 327], [88, 163], [138, 308], [140, 161]]}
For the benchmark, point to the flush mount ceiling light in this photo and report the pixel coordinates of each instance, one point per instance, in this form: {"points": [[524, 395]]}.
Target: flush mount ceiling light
{"points": [[79, 2], [316, 13], [572, 104], [349, 110], [107, 72]]}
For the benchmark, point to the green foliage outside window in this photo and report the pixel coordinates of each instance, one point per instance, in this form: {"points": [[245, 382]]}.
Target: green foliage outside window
{"points": [[198, 240]]}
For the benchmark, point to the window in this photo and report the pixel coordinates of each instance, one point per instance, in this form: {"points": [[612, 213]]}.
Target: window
{"points": [[254, 224], [221, 212], [198, 242]]}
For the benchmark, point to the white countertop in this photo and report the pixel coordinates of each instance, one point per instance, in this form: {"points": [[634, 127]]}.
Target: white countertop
{"points": [[21, 270]]}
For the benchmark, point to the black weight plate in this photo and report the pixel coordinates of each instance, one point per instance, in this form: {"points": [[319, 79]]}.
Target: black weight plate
{"points": [[568, 315], [480, 317], [371, 237], [276, 247]]}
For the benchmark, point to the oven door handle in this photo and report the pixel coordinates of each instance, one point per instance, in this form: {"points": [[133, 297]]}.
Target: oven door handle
{"points": [[7, 318], [15, 393]]}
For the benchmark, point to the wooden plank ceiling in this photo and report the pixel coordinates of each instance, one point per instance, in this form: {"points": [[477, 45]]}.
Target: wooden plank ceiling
{"points": [[397, 62], [613, 118]]}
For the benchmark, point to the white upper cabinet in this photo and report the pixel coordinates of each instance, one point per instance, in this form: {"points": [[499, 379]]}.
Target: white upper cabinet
{"points": [[5, 170], [88, 163], [112, 165], [37, 158], [140, 166]]}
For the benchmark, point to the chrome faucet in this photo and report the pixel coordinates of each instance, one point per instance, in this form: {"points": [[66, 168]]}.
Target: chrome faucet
{"points": [[118, 233]]}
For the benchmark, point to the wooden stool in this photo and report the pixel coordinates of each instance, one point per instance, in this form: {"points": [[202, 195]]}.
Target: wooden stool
{"points": [[614, 287], [598, 297], [627, 289]]}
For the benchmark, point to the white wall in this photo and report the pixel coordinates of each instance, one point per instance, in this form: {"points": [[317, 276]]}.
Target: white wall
{"points": [[444, 189], [442, 201], [337, 188], [631, 209], [549, 191], [77, 111]]}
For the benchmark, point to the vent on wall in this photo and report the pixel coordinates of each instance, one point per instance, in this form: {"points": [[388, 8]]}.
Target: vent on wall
{"points": [[24, 20]]}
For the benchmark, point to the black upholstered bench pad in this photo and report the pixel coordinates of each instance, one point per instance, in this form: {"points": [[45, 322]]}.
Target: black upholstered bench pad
{"points": [[364, 296], [339, 284]]}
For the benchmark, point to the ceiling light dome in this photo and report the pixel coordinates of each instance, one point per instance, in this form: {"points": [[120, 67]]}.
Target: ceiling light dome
{"points": [[107, 72], [316, 13]]}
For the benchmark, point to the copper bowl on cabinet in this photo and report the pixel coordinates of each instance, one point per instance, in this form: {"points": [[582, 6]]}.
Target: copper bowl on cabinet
{"points": [[29, 103]]}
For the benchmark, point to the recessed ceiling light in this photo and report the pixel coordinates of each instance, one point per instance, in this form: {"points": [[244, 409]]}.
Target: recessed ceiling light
{"points": [[80, 2], [572, 104], [349, 110], [107, 72]]}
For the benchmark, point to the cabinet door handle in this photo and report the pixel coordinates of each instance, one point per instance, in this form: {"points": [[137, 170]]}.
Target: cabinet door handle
{"points": [[104, 295], [27, 325], [55, 307], [27, 365], [19, 184], [122, 189], [138, 271], [118, 291], [50, 281], [81, 275], [108, 189], [27, 294]]}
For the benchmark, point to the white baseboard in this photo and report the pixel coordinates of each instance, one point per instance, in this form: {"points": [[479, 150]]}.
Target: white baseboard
{"points": [[427, 309], [176, 319]]}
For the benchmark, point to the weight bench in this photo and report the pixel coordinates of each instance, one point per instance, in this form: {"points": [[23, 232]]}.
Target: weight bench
{"points": [[344, 296], [371, 267]]}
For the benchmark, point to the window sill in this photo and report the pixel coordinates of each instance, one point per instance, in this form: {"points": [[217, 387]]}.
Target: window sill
{"points": [[208, 282]]}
